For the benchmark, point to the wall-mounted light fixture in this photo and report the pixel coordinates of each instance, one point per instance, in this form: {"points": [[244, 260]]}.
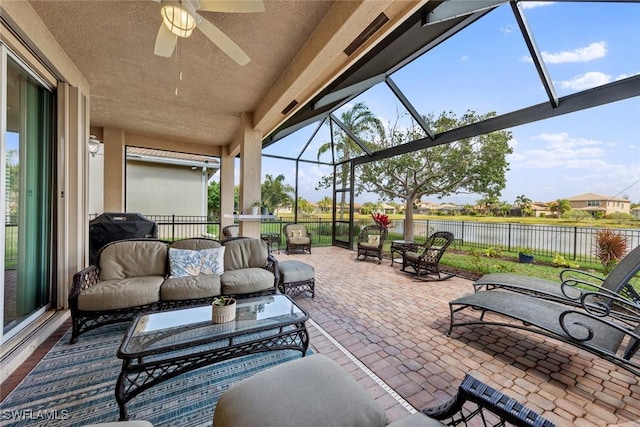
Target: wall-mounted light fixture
{"points": [[93, 145]]}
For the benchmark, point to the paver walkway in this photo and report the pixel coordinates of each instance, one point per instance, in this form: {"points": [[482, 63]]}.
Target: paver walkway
{"points": [[397, 327]]}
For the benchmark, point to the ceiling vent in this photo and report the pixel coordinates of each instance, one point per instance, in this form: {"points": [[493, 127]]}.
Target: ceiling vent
{"points": [[289, 107], [367, 33]]}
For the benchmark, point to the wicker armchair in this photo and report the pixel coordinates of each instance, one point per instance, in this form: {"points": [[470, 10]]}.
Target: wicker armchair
{"points": [[425, 261], [370, 242], [231, 231], [297, 237]]}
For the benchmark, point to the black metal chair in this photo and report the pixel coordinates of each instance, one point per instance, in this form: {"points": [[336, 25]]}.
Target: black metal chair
{"points": [[425, 261], [370, 242]]}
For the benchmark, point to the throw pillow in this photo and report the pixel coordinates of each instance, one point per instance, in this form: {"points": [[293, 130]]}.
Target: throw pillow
{"points": [[184, 263], [296, 233], [374, 240], [187, 262], [212, 261]]}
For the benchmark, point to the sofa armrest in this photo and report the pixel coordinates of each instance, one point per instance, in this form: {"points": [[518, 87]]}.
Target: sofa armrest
{"points": [[486, 399], [272, 266], [84, 279]]}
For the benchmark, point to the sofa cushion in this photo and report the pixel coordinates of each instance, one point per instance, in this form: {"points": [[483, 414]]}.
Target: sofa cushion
{"points": [[196, 244], [191, 287], [246, 280], [312, 392], [187, 262], [245, 253], [121, 293], [125, 259]]}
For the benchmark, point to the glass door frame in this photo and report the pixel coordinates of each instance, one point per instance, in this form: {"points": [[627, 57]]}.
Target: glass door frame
{"points": [[5, 54]]}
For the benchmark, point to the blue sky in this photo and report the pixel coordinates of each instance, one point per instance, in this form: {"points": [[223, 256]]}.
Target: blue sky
{"points": [[487, 67]]}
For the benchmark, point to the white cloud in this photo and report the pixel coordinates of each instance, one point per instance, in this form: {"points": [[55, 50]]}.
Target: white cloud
{"points": [[594, 51], [582, 54], [586, 81], [559, 150], [508, 29], [534, 4], [464, 58]]}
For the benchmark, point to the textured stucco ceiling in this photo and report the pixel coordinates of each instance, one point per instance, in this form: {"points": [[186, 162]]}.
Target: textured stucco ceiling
{"points": [[111, 42]]}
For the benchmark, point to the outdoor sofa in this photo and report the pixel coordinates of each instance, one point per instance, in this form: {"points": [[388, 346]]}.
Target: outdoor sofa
{"points": [[139, 275]]}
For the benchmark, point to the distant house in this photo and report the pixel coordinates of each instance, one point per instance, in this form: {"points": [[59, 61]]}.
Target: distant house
{"points": [[594, 203], [159, 182], [540, 209], [635, 212]]}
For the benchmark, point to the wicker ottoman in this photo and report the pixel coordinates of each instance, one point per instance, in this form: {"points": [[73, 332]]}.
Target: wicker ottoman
{"points": [[296, 277]]}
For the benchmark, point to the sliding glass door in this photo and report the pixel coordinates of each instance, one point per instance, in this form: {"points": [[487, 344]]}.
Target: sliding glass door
{"points": [[27, 176]]}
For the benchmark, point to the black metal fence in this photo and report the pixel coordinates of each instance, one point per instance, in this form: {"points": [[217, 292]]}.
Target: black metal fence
{"points": [[576, 243]]}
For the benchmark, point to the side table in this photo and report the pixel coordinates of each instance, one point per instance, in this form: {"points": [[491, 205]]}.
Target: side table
{"points": [[400, 247], [272, 239]]}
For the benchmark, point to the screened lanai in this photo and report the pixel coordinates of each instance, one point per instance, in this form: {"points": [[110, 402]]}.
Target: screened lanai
{"points": [[526, 67]]}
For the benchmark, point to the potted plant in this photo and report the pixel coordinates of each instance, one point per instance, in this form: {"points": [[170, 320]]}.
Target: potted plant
{"points": [[223, 309], [525, 255], [255, 209]]}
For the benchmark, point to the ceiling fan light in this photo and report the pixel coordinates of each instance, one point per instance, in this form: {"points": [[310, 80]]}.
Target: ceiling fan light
{"points": [[178, 20]]}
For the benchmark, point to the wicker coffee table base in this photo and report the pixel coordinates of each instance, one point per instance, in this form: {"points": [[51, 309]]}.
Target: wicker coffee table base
{"points": [[137, 375]]}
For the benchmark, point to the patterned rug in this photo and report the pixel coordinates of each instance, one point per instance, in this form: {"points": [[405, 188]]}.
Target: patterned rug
{"points": [[74, 385]]}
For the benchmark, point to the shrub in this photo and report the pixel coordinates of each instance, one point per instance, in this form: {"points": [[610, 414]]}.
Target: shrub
{"points": [[560, 261], [610, 248]]}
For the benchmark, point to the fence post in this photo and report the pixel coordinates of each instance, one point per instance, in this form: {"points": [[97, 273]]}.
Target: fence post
{"points": [[509, 238], [173, 227], [575, 243]]}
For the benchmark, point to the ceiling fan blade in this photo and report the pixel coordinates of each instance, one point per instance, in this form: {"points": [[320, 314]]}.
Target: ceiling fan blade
{"points": [[232, 6], [165, 42], [227, 45]]}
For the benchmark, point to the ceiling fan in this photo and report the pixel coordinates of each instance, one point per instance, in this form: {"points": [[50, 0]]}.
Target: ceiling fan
{"points": [[180, 18]]}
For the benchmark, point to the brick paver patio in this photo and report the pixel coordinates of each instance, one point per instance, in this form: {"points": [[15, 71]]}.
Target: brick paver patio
{"points": [[397, 327]]}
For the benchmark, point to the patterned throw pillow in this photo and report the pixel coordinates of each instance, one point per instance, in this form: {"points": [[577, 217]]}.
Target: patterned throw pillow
{"points": [[183, 263], [186, 262], [374, 239], [212, 261]]}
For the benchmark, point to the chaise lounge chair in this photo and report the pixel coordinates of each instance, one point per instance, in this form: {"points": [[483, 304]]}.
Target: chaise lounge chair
{"points": [[574, 283], [589, 326]]}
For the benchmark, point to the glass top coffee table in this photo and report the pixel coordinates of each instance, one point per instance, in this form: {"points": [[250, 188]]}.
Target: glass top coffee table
{"points": [[164, 344]]}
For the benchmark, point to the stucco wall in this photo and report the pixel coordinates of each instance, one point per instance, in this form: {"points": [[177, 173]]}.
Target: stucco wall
{"points": [[156, 189]]}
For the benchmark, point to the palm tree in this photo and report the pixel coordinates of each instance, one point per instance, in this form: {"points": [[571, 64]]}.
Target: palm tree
{"points": [[361, 121], [524, 203], [275, 192], [325, 204]]}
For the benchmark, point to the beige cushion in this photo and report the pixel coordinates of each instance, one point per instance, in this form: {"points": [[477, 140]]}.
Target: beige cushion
{"points": [[295, 271], [121, 260], [417, 420], [246, 280], [373, 239], [121, 293], [191, 287], [245, 253], [296, 230], [312, 392], [299, 240], [196, 244], [366, 245]]}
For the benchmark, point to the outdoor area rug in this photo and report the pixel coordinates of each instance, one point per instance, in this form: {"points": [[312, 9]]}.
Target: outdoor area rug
{"points": [[74, 385]]}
